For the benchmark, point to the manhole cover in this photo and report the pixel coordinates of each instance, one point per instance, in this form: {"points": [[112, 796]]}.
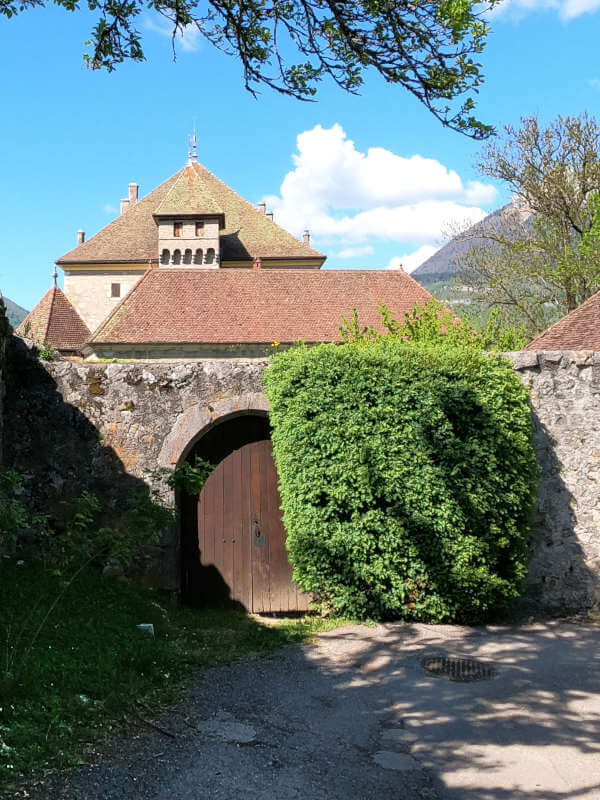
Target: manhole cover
{"points": [[458, 669]]}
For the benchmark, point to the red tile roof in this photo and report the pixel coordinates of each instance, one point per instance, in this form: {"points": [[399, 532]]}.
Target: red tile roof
{"points": [[133, 236], [579, 330], [230, 306], [54, 321]]}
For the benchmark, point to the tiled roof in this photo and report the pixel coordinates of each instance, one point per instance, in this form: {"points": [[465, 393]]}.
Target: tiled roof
{"points": [[133, 237], [579, 330], [54, 321], [229, 306], [188, 195]]}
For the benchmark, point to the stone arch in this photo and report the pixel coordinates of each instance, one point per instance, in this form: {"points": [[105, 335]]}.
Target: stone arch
{"points": [[165, 256], [198, 256], [197, 420], [176, 256], [210, 256], [187, 256], [214, 432]]}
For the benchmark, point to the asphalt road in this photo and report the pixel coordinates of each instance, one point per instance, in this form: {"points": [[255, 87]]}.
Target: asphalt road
{"points": [[356, 717]]}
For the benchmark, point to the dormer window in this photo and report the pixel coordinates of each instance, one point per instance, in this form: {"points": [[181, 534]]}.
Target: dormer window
{"points": [[178, 229], [199, 229]]}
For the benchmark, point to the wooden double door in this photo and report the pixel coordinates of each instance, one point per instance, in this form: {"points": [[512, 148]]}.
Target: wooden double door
{"points": [[241, 538]]}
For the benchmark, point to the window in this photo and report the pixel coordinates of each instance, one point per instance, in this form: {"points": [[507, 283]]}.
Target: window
{"points": [[165, 257], [210, 256], [187, 257], [176, 256], [177, 229], [115, 290], [199, 229], [198, 256]]}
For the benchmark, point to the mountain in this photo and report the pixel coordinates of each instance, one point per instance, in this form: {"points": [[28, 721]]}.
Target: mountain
{"points": [[442, 266], [16, 314]]}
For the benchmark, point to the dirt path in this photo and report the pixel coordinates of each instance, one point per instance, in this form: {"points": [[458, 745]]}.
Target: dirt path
{"points": [[356, 717]]}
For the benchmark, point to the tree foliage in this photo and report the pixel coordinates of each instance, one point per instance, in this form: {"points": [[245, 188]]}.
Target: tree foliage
{"points": [[434, 324], [428, 48], [540, 257], [407, 476]]}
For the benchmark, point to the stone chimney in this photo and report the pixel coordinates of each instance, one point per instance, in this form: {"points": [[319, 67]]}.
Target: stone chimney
{"points": [[80, 237], [262, 207], [306, 237], [131, 199]]}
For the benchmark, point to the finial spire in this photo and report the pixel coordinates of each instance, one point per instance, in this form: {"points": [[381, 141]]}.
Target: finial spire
{"points": [[193, 148], [55, 276]]}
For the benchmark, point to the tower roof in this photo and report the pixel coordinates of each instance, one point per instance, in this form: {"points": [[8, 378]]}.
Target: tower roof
{"points": [[133, 236], [54, 321], [188, 196]]}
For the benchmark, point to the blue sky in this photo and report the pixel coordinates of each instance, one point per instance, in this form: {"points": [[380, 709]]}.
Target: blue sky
{"points": [[375, 177]]}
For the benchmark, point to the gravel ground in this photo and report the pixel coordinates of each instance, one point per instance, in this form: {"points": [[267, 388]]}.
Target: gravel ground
{"points": [[356, 717]]}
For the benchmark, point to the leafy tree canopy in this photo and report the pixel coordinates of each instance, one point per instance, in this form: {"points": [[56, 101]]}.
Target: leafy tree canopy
{"points": [[540, 258], [429, 48], [434, 324]]}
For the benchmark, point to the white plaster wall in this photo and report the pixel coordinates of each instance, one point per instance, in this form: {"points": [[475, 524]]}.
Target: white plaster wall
{"points": [[89, 292]]}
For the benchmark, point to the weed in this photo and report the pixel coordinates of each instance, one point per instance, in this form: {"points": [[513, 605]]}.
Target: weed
{"points": [[89, 668]]}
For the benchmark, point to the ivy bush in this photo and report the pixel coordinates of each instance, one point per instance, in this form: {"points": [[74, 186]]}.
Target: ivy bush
{"points": [[407, 477]]}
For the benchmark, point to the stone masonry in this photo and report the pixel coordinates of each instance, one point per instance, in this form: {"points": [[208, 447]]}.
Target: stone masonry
{"points": [[565, 399], [109, 427]]}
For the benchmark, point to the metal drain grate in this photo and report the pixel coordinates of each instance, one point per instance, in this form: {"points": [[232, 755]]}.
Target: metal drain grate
{"points": [[458, 669]]}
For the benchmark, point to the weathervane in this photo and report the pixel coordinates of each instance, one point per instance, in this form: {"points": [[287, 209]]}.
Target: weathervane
{"points": [[192, 150], [55, 276]]}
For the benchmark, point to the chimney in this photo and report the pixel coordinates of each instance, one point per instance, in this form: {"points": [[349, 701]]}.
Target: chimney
{"points": [[133, 193], [306, 237], [270, 215], [80, 236], [262, 207], [257, 264], [124, 205]]}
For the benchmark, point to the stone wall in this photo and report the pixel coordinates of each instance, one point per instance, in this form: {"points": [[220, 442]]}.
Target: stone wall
{"points": [[109, 427], [565, 398]]}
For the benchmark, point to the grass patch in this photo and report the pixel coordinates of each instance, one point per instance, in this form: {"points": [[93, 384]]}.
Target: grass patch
{"points": [[90, 667]]}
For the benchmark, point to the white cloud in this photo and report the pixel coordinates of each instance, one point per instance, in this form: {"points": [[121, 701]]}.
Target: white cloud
{"points": [[422, 222], [411, 261], [108, 209], [354, 201], [346, 197], [356, 252], [566, 9], [186, 37], [570, 9]]}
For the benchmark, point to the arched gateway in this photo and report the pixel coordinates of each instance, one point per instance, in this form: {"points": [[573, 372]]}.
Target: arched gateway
{"points": [[232, 536]]}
